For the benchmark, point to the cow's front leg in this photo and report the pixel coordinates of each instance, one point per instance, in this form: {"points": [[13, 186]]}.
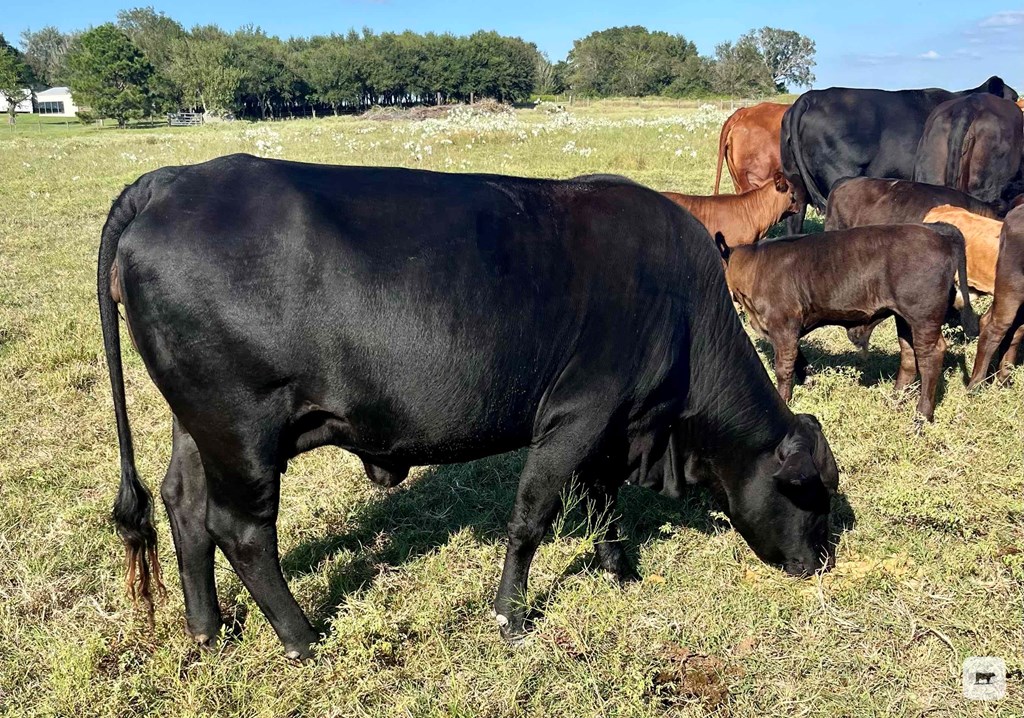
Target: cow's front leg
{"points": [[549, 467], [241, 515], [786, 344], [611, 553], [184, 494]]}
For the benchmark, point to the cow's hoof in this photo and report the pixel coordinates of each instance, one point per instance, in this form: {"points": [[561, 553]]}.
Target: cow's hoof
{"points": [[298, 654], [622, 575], [513, 631]]}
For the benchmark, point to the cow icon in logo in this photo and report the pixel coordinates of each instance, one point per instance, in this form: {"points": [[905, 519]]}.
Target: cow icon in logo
{"points": [[984, 678]]}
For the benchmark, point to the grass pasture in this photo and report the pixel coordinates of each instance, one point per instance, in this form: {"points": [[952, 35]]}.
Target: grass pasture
{"points": [[930, 564]]}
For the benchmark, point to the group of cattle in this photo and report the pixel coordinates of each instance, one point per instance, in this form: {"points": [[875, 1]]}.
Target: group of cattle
{"points": [[415, 318], [914, 186]]}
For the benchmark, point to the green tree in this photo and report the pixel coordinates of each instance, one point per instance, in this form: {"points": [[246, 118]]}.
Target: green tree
{"points": [[110, 75], [787, 55], [15, 78], [155, 34], [266, 82], [740, 71], [46, 53], [328, 67], [203, 69], [627, 61]]}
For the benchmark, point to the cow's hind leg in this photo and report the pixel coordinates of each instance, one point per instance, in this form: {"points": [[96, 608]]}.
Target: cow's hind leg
{"points": [[908, 361], [930, 349], [996, 324], [550, 465], [241, 515], [1010, 356], [184, 494]]}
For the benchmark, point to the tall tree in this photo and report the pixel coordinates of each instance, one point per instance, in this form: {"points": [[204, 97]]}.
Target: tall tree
{"points": [[328, 68], [46, 53], [110, 75], [15, 79], [627, 61], [155, 34], [203, 68], [787, 55], [739, 71]]}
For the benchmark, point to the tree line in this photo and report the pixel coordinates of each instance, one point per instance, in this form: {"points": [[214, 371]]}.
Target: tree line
{"points": [[147, 63]]}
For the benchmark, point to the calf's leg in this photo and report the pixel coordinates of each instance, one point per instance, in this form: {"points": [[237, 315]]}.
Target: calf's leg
{"points": [[184, 495], [786, 343], [930, 349], [908, 361]]}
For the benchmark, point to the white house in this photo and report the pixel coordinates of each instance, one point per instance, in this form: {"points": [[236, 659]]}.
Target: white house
{"points": [[56, 101], [23, 106]]}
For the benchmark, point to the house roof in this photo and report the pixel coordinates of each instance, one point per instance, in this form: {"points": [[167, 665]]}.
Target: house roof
{"points": [[54, 92]]}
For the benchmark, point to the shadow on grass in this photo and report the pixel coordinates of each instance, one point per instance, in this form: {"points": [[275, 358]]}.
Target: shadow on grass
{"points": [[412, 521], [879, 366]]}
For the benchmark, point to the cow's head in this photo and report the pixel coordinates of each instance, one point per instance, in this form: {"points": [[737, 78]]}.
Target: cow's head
{"points": [[794, 192], [782, 509], [995, 86]]}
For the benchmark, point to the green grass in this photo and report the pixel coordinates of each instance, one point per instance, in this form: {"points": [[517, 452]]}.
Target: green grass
{"points": [[929, 568]]}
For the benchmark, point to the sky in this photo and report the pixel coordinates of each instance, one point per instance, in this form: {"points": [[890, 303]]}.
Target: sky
{"points": [[865, 43]]}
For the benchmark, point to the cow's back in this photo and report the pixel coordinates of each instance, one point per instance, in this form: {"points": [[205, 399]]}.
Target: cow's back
{"points": [[433, 310], [972, 143], [844, 132], [858, 201]]}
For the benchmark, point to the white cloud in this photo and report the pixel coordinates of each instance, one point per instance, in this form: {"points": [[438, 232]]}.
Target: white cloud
{"points": [[1007, 18], [930, 55]]}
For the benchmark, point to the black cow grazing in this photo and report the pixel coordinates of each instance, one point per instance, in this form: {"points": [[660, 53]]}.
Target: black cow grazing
{"points": [[972, 144], [421, 318], [859, 201], [843, 132], [852, 277]]}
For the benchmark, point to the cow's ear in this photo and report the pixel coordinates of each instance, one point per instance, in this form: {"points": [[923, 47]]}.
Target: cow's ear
{"points": [[723, 248], [781, 184], [797, 469]]}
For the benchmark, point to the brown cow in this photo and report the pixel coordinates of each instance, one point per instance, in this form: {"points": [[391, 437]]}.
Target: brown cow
{"points": [[981, 235], [972, 144], [749, 145], [851, 277], [1005, 320], [742, 218], [857, 201]]}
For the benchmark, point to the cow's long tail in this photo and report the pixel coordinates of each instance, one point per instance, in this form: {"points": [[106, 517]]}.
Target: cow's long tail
{"points": [[133, 508], [793, 164], [723, 147], [968, 319], [961, 145]]}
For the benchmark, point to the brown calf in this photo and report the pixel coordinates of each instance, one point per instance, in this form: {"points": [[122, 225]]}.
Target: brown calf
{"points": [[857, 201], [981, 235], [742, 218], [749, 145], [1002, 327], [852, 277]]}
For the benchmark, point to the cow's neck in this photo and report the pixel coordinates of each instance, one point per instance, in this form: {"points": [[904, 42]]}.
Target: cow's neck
{"points": [[733, 413], [761, 212]]}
